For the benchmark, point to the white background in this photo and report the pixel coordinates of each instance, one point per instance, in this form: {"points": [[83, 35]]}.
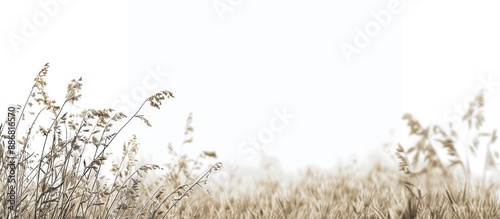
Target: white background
{"points": [[263, 55]]}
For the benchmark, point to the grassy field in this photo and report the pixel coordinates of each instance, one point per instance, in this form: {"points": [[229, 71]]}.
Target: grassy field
{"points": [[379, 194], [61, 174]]}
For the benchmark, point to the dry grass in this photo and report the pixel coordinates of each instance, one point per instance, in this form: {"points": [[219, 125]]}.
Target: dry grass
{"points": [[62, 175]]}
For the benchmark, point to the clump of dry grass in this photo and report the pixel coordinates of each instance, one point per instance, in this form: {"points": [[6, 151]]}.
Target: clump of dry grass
{"points": [[426, 160], [62, 175], [425, 156]]}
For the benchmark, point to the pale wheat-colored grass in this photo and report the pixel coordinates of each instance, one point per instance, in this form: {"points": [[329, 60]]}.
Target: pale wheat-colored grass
{"points": [[61, 173]]}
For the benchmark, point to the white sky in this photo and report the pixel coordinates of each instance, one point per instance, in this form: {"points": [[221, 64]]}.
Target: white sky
{"points": [[264, 55]]}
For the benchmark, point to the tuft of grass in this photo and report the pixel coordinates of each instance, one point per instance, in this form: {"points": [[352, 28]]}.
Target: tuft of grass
{"points": [[460, 143], [61, 159]]}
